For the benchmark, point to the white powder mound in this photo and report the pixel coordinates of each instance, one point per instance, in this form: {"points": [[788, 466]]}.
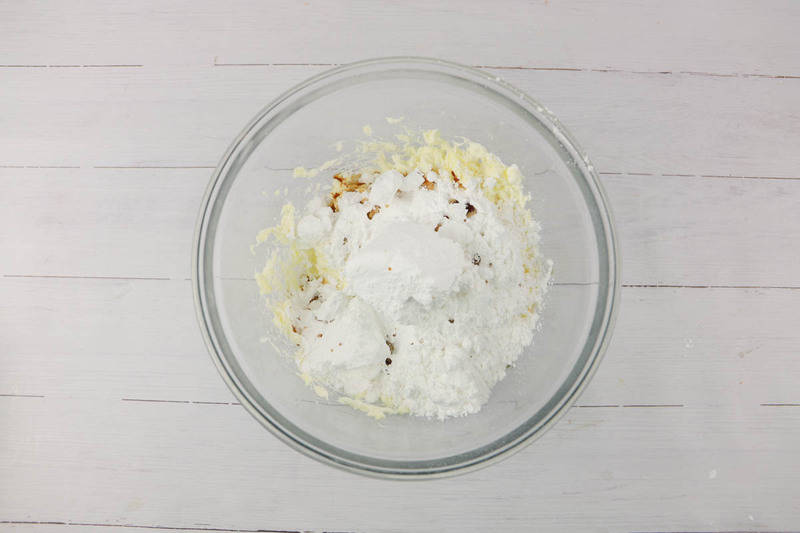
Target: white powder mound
{"points": [[414, 284], [435, 297]]}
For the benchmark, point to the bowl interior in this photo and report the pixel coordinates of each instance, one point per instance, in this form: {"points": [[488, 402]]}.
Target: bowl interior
{"points": [[256, 179]]}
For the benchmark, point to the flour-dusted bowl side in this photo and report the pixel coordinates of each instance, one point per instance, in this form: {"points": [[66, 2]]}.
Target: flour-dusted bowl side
{"points": [[300, 127]]}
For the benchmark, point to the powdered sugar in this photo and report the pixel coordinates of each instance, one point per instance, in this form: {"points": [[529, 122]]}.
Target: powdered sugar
{"points": [[419, 290]]}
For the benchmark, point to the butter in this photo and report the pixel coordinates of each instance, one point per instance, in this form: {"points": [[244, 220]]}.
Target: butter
{"points": [[375, 411], [297, 261], [303, 172]]}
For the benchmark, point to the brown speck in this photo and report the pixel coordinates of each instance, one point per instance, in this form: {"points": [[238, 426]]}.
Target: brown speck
{"points": [[490, 265], [391, 346], [331, 349], [352, 184], [344, 241], [333, 203], [486, 281], [471, 210], [446, 216], [362, 201], [388, 361], [319, 335], [455, 179], [452, 201], [476, 260], [390, 269], [340, 344], [294, 329], [394, 334], [349, 184], [314, 298], [451, 320], [439, 225], [426, 184], [375, 210]]}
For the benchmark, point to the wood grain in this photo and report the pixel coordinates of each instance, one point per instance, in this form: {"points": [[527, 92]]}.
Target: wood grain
{"points": [[139, 223], [112, 416], [221, 477], [671, 347], [186, 117], [94, 527], [722, 37]]}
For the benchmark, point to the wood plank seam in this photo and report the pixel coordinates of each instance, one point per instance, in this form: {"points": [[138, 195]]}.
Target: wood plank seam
{"points": [[549, 69], [659, 286], [116, 278], [668, 175], [577, 406], [121, 65], [142, 526], [152, 166], [624, 285], [38, 166], [199, 402], [489, 67], [212, 167]]}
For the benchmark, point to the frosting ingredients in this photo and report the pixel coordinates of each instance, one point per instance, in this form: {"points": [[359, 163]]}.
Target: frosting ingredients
{"points": [[414, 283]]}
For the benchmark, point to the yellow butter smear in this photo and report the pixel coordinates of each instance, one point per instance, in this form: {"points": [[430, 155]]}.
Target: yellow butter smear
{"points": [[465, 161], [289, 267]]}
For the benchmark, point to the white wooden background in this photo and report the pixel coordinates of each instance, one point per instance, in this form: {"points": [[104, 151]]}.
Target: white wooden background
{"points": [[112, 116]]}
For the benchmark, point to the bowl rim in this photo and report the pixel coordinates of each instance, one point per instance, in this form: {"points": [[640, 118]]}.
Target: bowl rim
{"points": [[506, 449]]}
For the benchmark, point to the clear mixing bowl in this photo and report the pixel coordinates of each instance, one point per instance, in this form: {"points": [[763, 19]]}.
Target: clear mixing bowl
{"points": [[299, 128]]}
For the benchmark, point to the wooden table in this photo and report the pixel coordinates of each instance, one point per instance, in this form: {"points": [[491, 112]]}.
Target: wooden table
{"points": [[113, 115]]}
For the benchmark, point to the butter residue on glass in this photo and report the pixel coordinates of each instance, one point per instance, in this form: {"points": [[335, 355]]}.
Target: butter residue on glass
{"points": [[414, 283]]}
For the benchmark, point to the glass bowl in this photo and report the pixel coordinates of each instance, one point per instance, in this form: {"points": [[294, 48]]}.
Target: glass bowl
{"points": [[254, 179]]}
